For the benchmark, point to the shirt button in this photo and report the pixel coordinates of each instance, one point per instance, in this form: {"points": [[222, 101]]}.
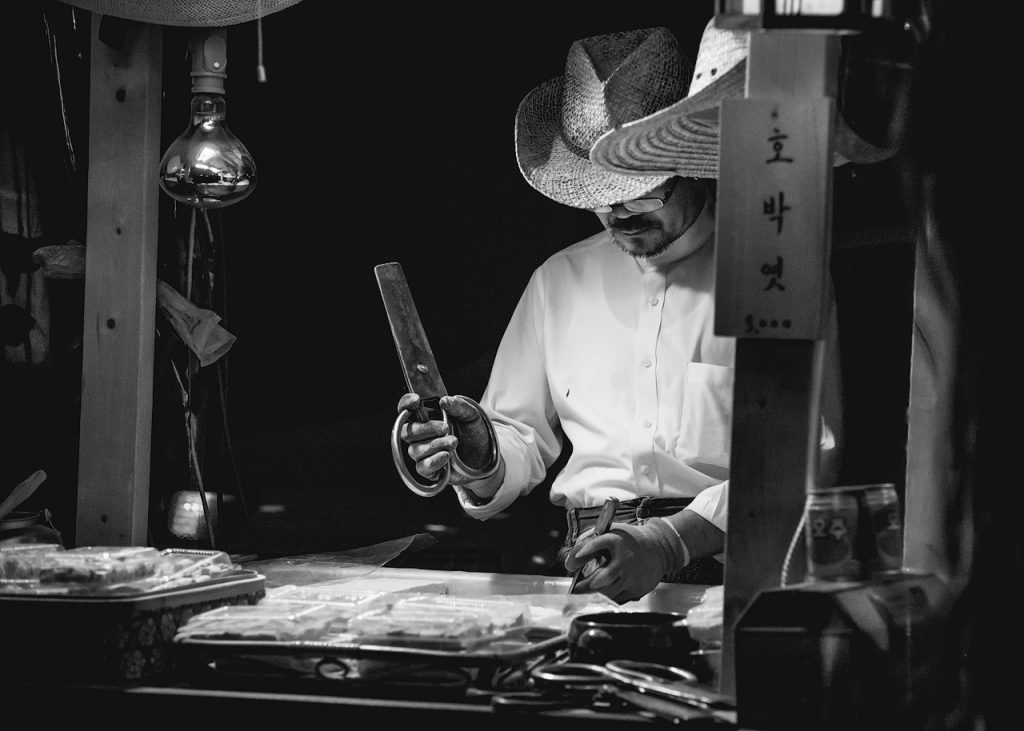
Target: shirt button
{"points": [[646, 362], [654, 301], [647, 423], [645, 470]]}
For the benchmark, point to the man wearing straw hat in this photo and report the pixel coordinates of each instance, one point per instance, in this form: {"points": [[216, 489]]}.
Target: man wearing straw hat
{"points": [[612, 344]]}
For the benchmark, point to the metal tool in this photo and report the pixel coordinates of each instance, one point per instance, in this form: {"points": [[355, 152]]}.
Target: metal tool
{"points": [[604, 522], [664, 691], [422, 378]]}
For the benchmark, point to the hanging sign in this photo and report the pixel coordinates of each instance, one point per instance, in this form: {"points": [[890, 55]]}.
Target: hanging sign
{"points": [[774, 217]]}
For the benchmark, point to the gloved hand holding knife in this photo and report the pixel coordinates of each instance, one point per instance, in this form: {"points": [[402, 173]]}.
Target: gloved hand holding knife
{"points": [[587, 568], [632, 559]]}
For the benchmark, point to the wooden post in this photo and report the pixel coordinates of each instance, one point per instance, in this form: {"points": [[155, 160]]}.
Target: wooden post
{"points": [[774, 239], [930, 478], [120, 289]]}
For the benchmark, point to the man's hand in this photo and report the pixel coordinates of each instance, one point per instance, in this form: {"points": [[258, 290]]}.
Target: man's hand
{"points": [[429, 442], [637, 557]]}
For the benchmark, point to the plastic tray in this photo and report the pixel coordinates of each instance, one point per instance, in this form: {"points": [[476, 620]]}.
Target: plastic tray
{"points": [[109, 638], [541, 634], [339, 658], [106, 571], [509, 640]]}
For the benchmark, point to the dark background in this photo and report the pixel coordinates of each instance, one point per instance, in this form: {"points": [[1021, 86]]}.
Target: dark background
{"points": [[386, 134]]}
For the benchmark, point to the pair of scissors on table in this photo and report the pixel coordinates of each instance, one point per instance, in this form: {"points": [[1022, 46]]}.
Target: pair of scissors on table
{"points": [[422, 378], [664, 691]]}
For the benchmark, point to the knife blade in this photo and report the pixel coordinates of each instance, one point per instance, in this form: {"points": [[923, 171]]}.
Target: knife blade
{"points": [[419, 368]]}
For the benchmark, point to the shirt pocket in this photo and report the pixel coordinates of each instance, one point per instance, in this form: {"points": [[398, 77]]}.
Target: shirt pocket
{"points": [[705, 428]]}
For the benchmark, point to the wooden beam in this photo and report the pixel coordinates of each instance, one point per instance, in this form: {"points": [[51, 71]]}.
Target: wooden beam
{"points": [[931, 473], [777, 392], [120, 289], [774, 457]]}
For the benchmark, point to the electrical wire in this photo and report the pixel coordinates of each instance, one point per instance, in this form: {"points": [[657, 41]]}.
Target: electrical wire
{"points": [[261, 71], [193, 455], [191, 254], [784, 579], [194, 462], [220, 369], [203, 244]]}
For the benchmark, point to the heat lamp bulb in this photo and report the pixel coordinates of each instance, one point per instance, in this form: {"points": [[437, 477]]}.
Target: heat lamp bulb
{"points": [[207, 166]]}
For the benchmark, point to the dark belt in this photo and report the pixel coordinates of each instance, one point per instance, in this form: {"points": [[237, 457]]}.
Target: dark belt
{"points": [[702, 571], [636, 510]]}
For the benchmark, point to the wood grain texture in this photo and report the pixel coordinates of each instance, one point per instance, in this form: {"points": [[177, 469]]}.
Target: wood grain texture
{"points": [[777, 391], [774, 197], [931, 473], [120, 289]]}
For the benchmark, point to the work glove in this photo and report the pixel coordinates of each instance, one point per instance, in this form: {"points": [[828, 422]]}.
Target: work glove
{"points": [[429, 442], [633, 558]]}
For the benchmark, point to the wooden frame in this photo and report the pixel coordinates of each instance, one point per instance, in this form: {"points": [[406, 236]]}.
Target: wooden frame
{"points": [[120, 288], [777, 392]]}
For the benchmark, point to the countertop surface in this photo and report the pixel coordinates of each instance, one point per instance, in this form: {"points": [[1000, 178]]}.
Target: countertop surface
{"points": [[313, 568], [254, 695]]}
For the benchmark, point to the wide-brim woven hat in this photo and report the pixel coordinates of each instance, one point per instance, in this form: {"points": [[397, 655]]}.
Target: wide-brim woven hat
{"points": [[609, 80], [682, 138], [185, 13]]}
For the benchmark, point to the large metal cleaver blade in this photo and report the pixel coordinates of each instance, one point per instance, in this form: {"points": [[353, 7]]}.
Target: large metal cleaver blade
{"points": [[417, 359]]}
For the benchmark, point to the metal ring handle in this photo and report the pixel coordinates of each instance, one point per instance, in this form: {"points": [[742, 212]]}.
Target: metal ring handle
{"points": [[677, 690], [574, 674], [651, 671], [492, 462], [332, 668], [454, 461], [428, 490]]}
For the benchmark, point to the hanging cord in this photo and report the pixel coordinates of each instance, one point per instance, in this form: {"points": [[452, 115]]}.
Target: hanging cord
{"points": [[261, 71], [792, 547], [222, 395], [209, 256], [191, 255], [203, 251], [69, 147], [218, 255], [23, 218], [194, 461], [193, 455], [191, 423]]}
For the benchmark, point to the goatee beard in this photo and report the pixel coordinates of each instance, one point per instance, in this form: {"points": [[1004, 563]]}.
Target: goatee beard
{"points": [[639, 255]]}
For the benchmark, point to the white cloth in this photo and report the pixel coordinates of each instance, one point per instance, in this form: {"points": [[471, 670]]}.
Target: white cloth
{"points": [[619, 356]]}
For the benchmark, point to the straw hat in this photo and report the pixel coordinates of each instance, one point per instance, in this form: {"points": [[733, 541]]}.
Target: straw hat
{"points": [[682, 139], [609, 80], [188, 13]]}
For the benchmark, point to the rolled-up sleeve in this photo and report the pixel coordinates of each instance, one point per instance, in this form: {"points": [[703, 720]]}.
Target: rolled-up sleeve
{"points": [[712, 504]]}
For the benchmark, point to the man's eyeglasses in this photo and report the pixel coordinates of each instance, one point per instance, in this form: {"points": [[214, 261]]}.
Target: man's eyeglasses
{"points": [[642, 205]]}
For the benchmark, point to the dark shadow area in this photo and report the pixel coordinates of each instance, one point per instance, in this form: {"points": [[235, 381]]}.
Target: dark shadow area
{"points": [[873, 273]]}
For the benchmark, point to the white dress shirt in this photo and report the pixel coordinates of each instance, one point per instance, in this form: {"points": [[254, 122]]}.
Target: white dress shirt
{"points": [[619, 356]]}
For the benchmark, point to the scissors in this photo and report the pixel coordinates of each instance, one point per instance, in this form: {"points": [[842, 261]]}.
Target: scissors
{"points": [[422, 378], [664, 691]]}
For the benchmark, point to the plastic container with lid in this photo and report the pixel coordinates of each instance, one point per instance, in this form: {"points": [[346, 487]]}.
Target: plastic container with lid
{"points": [[33, 527], [278, 622]]}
